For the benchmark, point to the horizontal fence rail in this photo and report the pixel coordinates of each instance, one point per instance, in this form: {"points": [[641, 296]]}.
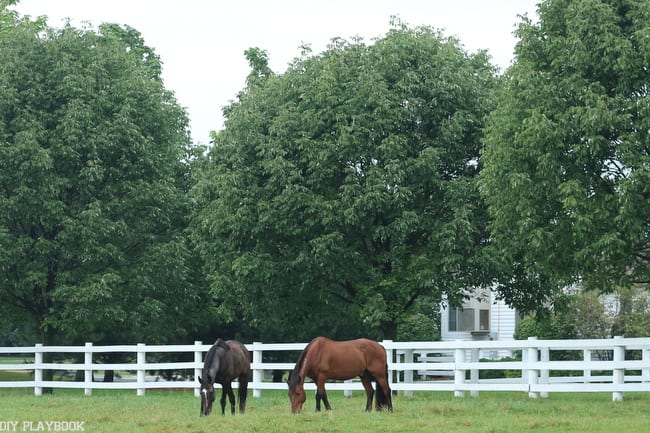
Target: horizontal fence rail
{"points": [[537, 367]]}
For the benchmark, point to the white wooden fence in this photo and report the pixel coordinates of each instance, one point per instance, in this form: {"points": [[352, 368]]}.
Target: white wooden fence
{"points": [[616, 365]]}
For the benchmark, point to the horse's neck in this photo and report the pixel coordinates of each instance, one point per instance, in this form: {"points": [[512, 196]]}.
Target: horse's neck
{"points": [[303, 372], [211, 369]]}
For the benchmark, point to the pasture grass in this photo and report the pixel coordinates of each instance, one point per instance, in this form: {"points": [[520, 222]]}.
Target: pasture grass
{"points": [[425, 412], [12, 376]]}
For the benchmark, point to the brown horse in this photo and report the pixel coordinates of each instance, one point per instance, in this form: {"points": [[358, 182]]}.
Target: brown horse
{"points": [[325, 359], [225, 361]]}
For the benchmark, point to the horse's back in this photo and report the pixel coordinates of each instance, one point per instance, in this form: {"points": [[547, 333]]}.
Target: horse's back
{"points": [[346, 359], [369, 348], [240, 357], [373, 352], [357, 343]]}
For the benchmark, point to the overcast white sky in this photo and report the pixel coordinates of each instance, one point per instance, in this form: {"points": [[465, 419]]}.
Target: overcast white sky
{"points": [[202, 42]]}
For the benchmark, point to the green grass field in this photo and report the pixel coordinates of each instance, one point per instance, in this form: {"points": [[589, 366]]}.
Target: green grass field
{"points": [[176, 411]]}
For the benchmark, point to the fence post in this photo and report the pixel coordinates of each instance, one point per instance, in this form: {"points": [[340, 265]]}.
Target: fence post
{"points": [[459, 374], [408, 374], [38, 369], [88, 369], [474, 373], [532, 373], [586, 373], [645, 373], [544, 374], [198, 357], [389, 358], [140, 372], [258, 374], [618, 373], [347, 392]]}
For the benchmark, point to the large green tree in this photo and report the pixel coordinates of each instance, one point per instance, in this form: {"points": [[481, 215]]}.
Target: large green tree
{"points": [[7, 16], [343, 190], [94, 166], [567, 157]]}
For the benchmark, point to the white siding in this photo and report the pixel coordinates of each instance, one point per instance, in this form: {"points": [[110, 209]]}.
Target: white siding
{"points": [[503, 321]]}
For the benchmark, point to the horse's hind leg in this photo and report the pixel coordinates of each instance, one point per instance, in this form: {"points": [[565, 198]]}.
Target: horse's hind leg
{"points": [[367, 385]]}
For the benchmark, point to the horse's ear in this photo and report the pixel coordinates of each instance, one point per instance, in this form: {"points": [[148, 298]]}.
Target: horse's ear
{"points": [[221, 344], [200, 380]]}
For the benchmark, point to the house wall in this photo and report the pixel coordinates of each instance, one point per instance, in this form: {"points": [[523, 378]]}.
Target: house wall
{"points": [[503, 321]]}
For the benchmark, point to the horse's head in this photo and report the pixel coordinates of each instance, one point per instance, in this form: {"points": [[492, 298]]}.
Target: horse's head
{"points": [[207, 396], [297, 393]]}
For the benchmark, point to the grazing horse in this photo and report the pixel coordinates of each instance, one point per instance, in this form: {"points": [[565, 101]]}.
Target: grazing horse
{"points": [[325, 359], [225, 361]]}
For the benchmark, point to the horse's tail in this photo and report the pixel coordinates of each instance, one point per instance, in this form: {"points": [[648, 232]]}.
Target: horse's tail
{"points": [[384, 399]]}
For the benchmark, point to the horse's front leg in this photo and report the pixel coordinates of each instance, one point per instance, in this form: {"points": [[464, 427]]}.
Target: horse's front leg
{"points": [[224, 391], [227, 390], [318, 398], [321, 395]]}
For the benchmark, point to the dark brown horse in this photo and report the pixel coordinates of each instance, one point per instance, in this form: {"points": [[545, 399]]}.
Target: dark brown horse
{"points": [[225, 361], [325, 359]]}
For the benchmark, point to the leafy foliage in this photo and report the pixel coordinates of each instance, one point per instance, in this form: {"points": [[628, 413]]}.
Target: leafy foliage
{"points": [[94, 156], [633, 318], [575, 316], [567, 156], [342, 191]]}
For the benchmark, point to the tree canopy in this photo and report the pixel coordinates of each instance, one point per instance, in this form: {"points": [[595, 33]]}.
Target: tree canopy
{"points": [[94, 158], [567, 154], [343, 190], [350, 193]]}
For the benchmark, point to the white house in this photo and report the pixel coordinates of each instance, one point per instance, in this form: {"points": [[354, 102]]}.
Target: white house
{"points": [[482, 317]]}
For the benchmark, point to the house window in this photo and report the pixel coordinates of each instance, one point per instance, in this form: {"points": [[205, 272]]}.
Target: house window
{"points": [[484, 320], [453, 320], [466, 320], [469, 319]]}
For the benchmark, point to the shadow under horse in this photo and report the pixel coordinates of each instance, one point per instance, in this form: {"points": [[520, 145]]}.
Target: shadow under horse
{"points": [[325, 359], [224, 362]]}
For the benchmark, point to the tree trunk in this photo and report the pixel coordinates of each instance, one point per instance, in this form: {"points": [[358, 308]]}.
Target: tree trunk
{"points": [[111, 358], [388, 330], [277, 375], [109, 375]]}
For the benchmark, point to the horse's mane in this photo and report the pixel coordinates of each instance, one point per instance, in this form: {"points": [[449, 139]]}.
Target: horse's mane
{"points": [[293, 376]]}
